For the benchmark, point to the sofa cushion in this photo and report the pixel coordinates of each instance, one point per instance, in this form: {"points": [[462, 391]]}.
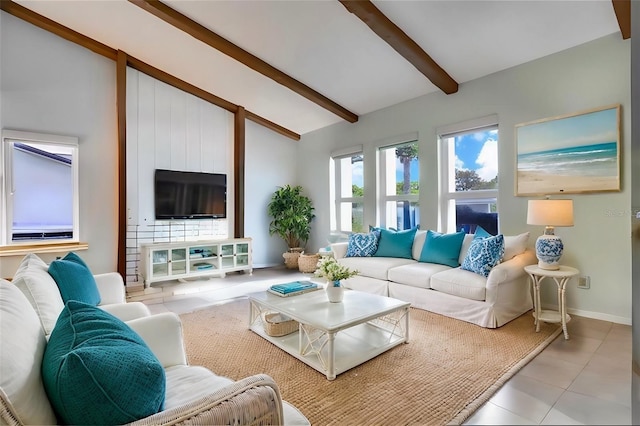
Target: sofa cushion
{"points": [[376, 267], [418, 243], [362, 245], [515, 245], [443, 249], [40, 289], [21, 351], [484, 254], [97, 370], [186, 384], [74, 279], [415, 274], [466, 243], [461, 283], [367, 285], [396, 243]]}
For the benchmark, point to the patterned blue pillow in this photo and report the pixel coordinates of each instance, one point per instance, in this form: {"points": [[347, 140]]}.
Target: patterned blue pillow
{"points": [[484, 254], [362, 245]]}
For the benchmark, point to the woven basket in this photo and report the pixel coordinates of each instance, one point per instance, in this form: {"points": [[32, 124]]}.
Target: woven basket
{"points": [[308, 262], [291, 259], [276, 329]]}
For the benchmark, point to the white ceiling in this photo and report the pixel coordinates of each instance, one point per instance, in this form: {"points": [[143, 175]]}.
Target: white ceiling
{"points": [[322, 45]]}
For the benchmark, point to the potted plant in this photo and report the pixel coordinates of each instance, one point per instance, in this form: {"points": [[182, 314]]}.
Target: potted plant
{"points": [[292, 213], [329, 268]]}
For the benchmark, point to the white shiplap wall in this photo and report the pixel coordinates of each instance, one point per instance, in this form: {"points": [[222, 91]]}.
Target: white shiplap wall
{"points": [[170, 129]]}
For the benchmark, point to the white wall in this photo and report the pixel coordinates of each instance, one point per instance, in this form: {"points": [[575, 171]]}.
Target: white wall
{"points": [[168, 128], [588, 76], [49, 85], [270, 162]]}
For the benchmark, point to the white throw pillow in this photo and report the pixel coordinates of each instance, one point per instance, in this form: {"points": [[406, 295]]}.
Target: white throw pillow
{"points": [[21, 352], [41, 290], [515, 245], [418, 243]]}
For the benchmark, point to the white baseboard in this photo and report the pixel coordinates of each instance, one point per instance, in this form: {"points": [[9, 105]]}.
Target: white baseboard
{"points": [[594, 315]]}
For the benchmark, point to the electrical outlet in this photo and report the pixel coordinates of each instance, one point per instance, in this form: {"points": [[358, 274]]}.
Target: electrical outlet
{"points": [[584, 282]]}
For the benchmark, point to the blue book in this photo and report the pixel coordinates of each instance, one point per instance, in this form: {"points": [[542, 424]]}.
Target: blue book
{"points": [[293, 287]]}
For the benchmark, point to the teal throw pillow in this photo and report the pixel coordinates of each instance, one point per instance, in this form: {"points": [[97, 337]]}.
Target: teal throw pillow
{"points": [[362, 245], [443, 249], [74, 279], [97, 371], [481, 233], [396, 243], [484, 254]]}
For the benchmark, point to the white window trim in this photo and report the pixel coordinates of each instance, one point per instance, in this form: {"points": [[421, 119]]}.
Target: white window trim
{"points": [[6, 208], [447, 213], [336, 192], [385, 218]]}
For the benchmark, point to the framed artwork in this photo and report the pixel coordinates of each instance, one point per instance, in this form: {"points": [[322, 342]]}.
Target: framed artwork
{"points": [[569, 154]]}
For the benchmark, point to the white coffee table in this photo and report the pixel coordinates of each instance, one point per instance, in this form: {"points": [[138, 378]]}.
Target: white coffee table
{"points": [[334, 337]]}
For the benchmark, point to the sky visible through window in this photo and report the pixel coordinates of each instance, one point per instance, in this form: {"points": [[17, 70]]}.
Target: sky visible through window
{"points": [[478, 151]]}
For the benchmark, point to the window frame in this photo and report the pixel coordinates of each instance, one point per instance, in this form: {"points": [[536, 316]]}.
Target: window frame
{"points": [[336, 173], [448, 197], [8, 138], [386, 218]]}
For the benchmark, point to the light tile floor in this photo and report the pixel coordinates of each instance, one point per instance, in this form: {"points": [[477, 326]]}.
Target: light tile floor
{"points": [[584, 380]]}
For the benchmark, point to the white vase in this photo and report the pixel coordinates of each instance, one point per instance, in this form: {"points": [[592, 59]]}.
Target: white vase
{"points": [[334, 294]]}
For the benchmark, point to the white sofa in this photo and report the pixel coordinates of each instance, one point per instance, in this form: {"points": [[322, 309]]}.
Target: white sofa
{"points": [[490, 301], [194, 395]]}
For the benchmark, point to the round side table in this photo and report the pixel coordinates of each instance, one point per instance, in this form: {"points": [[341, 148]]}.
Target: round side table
{"points": [[561, 277]]}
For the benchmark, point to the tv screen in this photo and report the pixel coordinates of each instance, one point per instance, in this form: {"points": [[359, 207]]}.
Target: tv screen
{"points": [[190, 195]]}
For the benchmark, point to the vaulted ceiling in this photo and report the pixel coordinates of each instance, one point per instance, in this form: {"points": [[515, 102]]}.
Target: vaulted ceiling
{"points": [[307, 64]]}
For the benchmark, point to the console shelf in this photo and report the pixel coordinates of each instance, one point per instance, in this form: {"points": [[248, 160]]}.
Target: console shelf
{"points": [[192, 259]]}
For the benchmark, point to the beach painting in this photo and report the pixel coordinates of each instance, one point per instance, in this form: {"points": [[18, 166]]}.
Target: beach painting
{"points": [[569, 154]]}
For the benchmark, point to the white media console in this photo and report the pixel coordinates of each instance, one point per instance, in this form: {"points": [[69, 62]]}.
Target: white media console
{"points": [[192, 259]]}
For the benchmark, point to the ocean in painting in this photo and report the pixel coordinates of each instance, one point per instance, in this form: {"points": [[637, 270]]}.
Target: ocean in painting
{"points": [[589, 160]]}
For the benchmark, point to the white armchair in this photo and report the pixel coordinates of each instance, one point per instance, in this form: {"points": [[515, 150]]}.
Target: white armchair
{"points": [[33, 279], [194, 395]]}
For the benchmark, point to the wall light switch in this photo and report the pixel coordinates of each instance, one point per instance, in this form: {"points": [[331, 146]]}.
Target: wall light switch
{"points": [[584, 282]]}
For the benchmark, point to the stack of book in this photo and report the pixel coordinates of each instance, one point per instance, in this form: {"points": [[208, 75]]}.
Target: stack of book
{"points": [[293, 288]]}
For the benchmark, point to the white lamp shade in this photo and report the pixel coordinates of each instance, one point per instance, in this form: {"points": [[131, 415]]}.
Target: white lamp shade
{"points": [[550, 212]]}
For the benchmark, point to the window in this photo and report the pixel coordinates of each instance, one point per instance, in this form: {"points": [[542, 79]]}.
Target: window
{"points": [[399, 175], [348, 210], [39, 188], [469, 177]]}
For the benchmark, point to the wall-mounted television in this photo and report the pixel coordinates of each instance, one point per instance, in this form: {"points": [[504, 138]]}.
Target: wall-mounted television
{"points": [[190, 195]]}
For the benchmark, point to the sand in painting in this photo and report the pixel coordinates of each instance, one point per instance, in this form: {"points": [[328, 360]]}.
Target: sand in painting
{"points": [[544, 183]]}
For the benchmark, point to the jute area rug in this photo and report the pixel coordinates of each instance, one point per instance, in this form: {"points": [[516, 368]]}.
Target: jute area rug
{"points": [[447, 371]]}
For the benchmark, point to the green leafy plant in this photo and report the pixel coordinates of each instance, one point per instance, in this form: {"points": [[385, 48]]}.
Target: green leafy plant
{"points": [[329, 268], [292, 213]]}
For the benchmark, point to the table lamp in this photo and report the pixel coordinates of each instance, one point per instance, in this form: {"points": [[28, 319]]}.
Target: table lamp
{"points": [[549, 213]]}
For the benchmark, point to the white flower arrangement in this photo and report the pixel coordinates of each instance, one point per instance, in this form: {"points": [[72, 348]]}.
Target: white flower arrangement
{"points": [[329, 268]]}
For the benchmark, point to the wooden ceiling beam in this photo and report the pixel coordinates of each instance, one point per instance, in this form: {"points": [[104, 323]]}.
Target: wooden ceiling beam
{"points": [[223, 45], [402, 43], [95, 46], [622, 8]]}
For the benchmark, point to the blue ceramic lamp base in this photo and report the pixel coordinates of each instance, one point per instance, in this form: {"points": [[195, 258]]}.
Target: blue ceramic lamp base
{"points": [[549, 250]]}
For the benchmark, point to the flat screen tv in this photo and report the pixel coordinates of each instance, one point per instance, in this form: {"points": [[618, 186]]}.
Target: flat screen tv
{"points": [[190, 195]]}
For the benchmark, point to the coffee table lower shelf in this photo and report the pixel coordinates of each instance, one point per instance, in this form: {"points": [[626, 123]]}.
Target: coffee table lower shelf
{"points": [[351, 347]]}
